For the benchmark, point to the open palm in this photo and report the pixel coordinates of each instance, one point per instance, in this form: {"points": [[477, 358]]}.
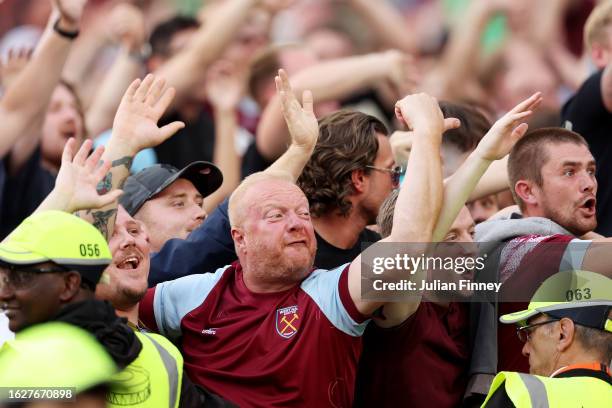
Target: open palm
{"points": [[141, 107], [79, 176], [504, 133], [301, 120]]}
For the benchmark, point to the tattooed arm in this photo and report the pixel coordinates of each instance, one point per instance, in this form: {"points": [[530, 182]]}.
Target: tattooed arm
{"points": [[134, 129]]}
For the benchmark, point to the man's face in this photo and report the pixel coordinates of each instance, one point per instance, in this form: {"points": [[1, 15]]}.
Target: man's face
{"points": [[540, 348], [482, 209], [124, 282], [380, 182], [30, 297], [567, 194], [276, 241], [173, 213], [62, 121]]}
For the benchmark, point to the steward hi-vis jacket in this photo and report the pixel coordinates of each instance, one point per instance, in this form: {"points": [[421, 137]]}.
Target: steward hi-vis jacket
{"points": [[153, 379], [533, 391]]}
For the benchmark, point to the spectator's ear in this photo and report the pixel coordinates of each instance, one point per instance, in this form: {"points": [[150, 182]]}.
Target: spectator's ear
{"points": [[72, 284], [239, 240], [360, 180], [525, 191], [600, 55]]}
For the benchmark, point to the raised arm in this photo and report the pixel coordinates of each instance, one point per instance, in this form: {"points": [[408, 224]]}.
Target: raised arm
{"points": [[420, 197], [134, 129], [127, 27], [186, 69], [496, 144], [448, 79], [387, 23], [224, 88], [25, 101], [328, 81], [302, 124]]}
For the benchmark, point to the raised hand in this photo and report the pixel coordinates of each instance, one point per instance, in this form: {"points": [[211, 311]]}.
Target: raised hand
{"points": [[141, 107], [79, 176], [504, 133], [421, 112], [15, 62], [70, 12], [403, 74], [301, 120], [224, 86], [126, 24]]}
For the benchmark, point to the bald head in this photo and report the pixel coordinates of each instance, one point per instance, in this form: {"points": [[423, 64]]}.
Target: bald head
{"points": [[272, 232], [239, 200]]}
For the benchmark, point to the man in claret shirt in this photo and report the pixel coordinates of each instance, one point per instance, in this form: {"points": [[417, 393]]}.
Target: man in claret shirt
{"points": [[268, 330]]}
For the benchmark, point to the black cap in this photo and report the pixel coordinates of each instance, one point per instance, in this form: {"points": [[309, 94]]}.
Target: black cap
{"points": [[144, 185]]}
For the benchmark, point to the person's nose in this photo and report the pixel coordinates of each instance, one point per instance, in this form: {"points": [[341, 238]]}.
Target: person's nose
{"points": [[294, 222], [588, 183], [127, 240], [525, 350], [199, 213]]}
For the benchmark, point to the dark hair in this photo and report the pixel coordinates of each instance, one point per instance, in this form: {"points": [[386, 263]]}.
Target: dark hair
{"points": [[162, 34], [347, 141], [474, 125], [529, 155]]}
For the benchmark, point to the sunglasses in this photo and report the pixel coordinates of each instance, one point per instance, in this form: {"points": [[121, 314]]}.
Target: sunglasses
{"points": [[22, 277], [395, 173]]}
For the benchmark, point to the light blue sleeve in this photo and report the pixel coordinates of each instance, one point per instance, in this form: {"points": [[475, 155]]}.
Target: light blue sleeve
{"points": [[142, 160], [174, 299], [323, 287], [574, 254]]}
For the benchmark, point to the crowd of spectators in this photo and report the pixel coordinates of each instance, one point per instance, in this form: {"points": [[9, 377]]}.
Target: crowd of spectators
{"points": [[191, 191]]}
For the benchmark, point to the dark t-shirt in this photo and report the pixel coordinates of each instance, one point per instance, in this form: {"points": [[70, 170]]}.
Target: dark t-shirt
{"points": [[22, 193], [253, 161], [329, 257], [421, 363], [590, 118], [196, 141]]}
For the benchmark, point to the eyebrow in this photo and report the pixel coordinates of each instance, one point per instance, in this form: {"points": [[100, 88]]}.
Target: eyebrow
{"points": [[179, 195], [576, 164]]}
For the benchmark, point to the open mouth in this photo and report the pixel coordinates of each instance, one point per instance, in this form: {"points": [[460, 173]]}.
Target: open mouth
{"points": [[589, 205], [68, 131], [131, 262]]}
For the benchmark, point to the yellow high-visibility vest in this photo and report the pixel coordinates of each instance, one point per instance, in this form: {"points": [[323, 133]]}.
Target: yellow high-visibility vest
{"points": [[534, 391], [153, 379]]}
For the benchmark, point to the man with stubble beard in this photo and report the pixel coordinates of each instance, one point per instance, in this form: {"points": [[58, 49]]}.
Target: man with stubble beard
{"points": [[552, 176], [291, 335]]}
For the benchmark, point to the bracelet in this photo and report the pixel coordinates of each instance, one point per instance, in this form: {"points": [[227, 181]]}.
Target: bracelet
{"points": [[71, 35]]}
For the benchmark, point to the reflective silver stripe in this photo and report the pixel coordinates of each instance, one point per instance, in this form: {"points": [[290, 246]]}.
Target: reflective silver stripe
{"points": [[536, 389], [171, 369]]}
